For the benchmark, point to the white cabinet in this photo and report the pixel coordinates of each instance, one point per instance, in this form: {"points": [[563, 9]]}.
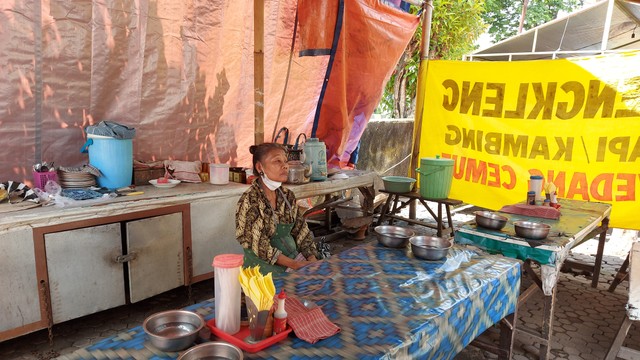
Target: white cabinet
{"points": [[84, 277], [94, 268], [19, 292], [213, 232], [155, 248]]}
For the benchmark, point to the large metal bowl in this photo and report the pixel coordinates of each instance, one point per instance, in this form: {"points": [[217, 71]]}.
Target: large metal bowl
{"points": [[430, 247], [490, 220], [393, 236], [213, 350], [173, 330], [531, 230]]}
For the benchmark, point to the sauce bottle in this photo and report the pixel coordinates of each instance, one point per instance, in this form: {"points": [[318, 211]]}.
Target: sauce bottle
{"points": [[280, 315]]}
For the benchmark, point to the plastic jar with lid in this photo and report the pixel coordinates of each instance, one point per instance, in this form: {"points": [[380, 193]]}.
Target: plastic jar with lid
{"points": [[227, 291], [535, 184]]}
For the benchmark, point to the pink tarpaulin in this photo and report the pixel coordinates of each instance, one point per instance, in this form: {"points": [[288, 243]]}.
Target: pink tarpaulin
{"points": [[180, 72]]}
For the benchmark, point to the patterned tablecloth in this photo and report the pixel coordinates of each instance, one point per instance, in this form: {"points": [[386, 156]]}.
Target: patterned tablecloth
{"points": [[387, 303], [577, 219]]}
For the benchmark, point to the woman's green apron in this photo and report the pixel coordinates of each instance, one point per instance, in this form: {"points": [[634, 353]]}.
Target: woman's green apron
{"points": [[281, 240]]}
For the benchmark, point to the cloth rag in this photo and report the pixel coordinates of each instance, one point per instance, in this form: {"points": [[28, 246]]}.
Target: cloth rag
{"points": [[545, 212], [310, 325]]}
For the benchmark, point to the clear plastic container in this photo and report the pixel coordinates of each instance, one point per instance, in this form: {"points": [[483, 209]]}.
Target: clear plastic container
{"points": [[219, 174], [535, 184], [227, 291]]}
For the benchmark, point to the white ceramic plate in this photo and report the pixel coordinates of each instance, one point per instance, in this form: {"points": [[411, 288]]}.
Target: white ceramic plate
{"points": [[170, 184]]}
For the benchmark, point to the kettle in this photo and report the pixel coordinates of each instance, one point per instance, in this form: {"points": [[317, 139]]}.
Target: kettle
{"points": [[299, 173], [297, 152]]}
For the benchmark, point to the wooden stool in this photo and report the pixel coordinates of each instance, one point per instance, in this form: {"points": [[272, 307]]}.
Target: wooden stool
{"points": [[400, 201]]}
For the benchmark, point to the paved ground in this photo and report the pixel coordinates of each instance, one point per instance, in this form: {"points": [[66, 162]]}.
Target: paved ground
{"points": [[586, 319]]}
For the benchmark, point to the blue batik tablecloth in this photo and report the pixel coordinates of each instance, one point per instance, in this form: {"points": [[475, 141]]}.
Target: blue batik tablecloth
{"points": [[387, 304]]}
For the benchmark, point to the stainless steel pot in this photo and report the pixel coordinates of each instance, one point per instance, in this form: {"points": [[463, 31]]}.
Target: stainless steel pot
{"points": [[299, 173]]}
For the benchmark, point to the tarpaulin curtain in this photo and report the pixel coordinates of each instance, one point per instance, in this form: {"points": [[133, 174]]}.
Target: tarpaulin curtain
{"points": [[180, 72], [372, 37]]}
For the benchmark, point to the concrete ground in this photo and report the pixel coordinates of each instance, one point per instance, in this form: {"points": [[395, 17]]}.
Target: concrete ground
{"points": [[586, 318]]}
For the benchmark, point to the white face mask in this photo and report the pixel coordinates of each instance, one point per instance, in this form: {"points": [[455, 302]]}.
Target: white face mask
{"points": [[270, 184]]}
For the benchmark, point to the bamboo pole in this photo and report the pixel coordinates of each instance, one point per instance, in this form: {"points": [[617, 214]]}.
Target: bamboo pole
{"points": [[427, 15], [258, 70]]}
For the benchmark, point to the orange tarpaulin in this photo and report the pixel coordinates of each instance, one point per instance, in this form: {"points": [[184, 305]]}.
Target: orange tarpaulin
{"points": [[372, 37]]}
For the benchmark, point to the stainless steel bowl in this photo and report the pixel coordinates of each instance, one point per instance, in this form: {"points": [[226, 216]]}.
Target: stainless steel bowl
{"points": [[531, 230], [173, 330], [490, 220], [213, 350], [393, 236], [430, 247]]}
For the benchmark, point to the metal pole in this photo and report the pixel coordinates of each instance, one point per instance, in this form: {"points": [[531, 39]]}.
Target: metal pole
{"points": [[427, 15], [607, 26], [525, 3]]}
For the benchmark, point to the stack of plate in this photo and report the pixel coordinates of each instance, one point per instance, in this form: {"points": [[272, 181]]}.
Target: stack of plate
{"points": [[74, 180]]}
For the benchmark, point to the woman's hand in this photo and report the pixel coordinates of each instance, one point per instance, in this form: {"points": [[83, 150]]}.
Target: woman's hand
{"points": [[293, 264], [298, 264]]}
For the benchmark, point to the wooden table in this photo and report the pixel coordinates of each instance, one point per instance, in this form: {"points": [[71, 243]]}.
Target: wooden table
{"points": [[387, 304], [579, 222], [333, 191], [195, 221], [400, 201]]}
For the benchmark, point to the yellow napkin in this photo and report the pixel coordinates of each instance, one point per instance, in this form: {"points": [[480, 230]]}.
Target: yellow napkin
{"points": [[260, 289]]}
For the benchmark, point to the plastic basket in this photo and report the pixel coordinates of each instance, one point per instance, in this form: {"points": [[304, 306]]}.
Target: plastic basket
{"points": [[40, 178]]}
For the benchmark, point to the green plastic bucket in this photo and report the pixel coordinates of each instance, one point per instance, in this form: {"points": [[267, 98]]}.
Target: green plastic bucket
{"points": [[435, 177]]}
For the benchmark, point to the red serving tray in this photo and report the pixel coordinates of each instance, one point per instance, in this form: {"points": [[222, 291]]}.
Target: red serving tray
{"points": [[238, 339]]}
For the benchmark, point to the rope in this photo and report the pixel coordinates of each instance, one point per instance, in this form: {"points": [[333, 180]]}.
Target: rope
{"points": [[286, 80], [392, 167]]}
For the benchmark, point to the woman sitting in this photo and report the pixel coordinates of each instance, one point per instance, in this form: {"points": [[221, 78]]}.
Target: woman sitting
{"points": [[269, 224]]}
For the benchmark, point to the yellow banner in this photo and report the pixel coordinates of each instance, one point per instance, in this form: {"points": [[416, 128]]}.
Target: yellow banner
{"points": [[576, 122]]}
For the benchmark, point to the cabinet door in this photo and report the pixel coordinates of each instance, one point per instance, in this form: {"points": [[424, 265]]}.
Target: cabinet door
{"points": [[213, 231], [83, 275], [158, 265], [19, 301]]}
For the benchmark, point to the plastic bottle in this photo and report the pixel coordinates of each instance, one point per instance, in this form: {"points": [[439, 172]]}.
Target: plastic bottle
{"points": [[280, 315], [227, 291]]}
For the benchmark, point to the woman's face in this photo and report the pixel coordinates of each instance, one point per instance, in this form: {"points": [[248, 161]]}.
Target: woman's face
{"points": [[275, 165]]}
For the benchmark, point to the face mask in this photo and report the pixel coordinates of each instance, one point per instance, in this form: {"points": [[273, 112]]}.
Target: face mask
{"points": [[271, 185]]}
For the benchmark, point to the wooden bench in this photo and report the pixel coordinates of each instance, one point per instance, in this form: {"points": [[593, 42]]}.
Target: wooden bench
{"points": [[616, 350], [400, 201], [621, 275]]}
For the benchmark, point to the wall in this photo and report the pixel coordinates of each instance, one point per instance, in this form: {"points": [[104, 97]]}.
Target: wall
{"points": [[385, 147]]}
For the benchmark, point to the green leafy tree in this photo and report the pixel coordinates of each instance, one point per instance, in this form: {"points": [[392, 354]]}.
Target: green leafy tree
{"points": [[456, 25], [503, 16], [455, 28]]}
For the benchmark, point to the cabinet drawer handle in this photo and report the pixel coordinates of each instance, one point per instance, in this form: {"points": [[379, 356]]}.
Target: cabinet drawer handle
{"points": [[125, 258]]}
